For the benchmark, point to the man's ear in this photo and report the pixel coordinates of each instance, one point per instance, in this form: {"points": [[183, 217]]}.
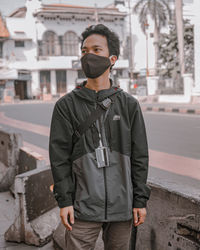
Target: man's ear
{"points": [[113, 59]]}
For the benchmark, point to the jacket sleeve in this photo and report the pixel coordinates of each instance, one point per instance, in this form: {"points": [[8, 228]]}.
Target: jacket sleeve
{"points": [[139, 157], [60, 149]]}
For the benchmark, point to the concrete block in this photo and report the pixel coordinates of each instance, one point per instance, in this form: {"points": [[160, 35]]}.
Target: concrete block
{"points": [[196, 99], [183, 110], [152, 85], [47, 97], [29, 160], [156, 109], [9, 147], [37, 214], [8, 99], [168, 109], [9, 152], [173, 222]]}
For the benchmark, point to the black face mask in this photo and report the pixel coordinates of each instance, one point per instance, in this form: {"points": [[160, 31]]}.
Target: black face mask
{"points": [[94, 66]]}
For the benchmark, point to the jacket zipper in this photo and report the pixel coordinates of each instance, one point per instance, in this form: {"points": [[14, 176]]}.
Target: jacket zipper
{"points": [[104, 168]]}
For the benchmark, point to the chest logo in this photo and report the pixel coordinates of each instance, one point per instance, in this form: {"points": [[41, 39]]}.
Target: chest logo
{"points": [[116, 117]]}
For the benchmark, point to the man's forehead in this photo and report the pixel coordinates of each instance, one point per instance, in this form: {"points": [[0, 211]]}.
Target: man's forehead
{"points": [[95, 40]]}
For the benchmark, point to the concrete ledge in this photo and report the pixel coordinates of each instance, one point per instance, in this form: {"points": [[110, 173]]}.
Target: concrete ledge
{"points": [[173, 222], [29, 160]]}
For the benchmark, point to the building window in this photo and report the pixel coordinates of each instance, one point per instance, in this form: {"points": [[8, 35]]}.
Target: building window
{"points": [[19, 44], [61, 81], [50, 44], [70, 44], [45, 82], [1, 49]]}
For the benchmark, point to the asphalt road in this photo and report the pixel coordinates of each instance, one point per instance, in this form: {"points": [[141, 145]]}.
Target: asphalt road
{"points": [[170, 133], [176, 134]]}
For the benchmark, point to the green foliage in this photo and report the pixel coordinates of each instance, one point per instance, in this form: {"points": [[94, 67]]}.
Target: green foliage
{"points": [[158, 10], [168, 51]]}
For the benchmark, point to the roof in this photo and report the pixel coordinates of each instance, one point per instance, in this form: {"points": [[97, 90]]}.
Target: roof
{"points": [[20, 12], [3, 29], [67, 8], [74, 9]]}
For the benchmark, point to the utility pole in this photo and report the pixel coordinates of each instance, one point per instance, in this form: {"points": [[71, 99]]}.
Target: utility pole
{"points": [[180, 33], [131, 42], [96, 14]]}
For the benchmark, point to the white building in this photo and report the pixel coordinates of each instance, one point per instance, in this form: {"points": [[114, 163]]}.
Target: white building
{"points": [[43, 50], [44, 46]]}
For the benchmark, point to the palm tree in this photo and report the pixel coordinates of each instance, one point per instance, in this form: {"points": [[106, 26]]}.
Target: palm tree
{"points": [[160, 12], [180, 33]]}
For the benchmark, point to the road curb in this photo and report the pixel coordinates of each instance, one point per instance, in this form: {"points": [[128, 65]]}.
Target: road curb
{"points": [[27, 102], [171, 110]]}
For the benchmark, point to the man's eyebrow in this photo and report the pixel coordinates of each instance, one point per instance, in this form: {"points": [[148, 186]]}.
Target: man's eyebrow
{"points": [[94, 46]]}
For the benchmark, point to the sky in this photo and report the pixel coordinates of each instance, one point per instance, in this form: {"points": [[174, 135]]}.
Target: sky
{"points": [[8, 6]]}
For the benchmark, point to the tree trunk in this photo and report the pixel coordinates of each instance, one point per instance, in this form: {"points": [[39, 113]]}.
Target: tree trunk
{"points": [[180, 33], [156, 39]]}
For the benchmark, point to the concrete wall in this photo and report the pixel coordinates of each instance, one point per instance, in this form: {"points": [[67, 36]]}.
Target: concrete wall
{"points": [[173, 221], [25, 174], [9, 153]]}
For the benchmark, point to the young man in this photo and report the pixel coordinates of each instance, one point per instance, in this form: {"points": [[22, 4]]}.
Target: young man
{"points": [[98, 152]]}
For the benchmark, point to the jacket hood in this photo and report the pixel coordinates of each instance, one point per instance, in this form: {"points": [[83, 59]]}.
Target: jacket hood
{"points": [[91, 95]]}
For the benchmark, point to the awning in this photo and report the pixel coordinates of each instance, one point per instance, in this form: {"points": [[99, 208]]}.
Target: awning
{"points": [[8, 74], [20, 35]]}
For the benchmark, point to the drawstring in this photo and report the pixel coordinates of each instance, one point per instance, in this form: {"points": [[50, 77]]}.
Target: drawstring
{"points": [[109, 134], [95, 135]]}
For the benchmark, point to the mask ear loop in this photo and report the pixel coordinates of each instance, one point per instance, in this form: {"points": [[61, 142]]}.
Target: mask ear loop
{"points": [[110, 58], [111, 64]]}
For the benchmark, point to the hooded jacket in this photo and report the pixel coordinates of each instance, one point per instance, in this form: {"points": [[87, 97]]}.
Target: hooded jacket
{"points": [[99, 194]]}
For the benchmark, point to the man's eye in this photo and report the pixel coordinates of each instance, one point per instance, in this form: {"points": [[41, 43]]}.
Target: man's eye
{"points": [[83, 51]]}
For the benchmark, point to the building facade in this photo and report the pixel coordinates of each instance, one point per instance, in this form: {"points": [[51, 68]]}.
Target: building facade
{"points": [[44, 46]]}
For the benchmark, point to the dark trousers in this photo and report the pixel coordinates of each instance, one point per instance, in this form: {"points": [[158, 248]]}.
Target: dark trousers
{"points": [[84, 234]]}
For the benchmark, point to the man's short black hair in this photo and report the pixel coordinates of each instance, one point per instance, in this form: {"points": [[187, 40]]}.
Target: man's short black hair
{"points": [[112, 37]]}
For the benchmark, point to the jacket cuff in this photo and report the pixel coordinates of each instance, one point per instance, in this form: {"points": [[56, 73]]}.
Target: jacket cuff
{"points": [[140, 204], [65, 203]]}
